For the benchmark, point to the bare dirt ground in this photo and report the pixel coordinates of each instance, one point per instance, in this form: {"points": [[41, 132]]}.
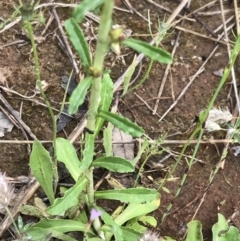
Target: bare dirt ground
{"points": [[16, 63]]}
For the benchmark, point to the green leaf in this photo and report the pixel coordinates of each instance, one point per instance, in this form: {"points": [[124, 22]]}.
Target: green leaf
{"points": [[122, 123], [135, 210], [94, 239], [42, 168], [78, 40], [128, 75], [222, 232], [40, 234], [107, 140], [194, 231], [152, 52], [129, 234], [106, 99], [140, 224], [33, 211], [132, 195], [112, 228], [69, 199], [114, 164], [55, 225], [66, 153], [88, 152], [84, 7], [143, 147], [79, 94]]}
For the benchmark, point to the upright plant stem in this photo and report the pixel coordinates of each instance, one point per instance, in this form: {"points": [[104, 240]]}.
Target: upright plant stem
{"points": [[101, 49], [39, 84]]}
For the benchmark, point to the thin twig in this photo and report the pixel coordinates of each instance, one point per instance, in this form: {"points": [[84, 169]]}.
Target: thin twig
{"points": [[72, 59], [164, 142]]}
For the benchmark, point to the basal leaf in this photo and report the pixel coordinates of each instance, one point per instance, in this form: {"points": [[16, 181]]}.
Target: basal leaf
{"points": [[135, 210], [79, 94], [58, 225], [78, 40], [42, 168], [47, 234], [70, 198], [152, 52], [131, 195], [114, 164], [66, 153], [122, 123]]}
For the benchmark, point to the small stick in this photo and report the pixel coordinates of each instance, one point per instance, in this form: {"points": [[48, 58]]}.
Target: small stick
{"points": [[195, 15], [165, 142], [164, 79], [149, 107], [236, 16], [75, 66]]}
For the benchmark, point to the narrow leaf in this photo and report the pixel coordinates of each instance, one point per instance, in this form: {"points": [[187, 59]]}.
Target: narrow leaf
{"points": [[69, 199], [86, 6], [122, 123], [88, 152], [79, 94], [66, 153], [58, 225], [107, 140], [152, 52], [42, 168], [106, 99], [128, 75], [78, 40], [114, 164], [132, 195]]}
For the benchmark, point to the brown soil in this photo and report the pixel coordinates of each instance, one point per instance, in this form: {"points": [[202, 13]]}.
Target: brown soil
{"points": [[223, 195]]}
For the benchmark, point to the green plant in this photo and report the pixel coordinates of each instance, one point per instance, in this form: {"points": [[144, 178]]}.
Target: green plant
{"points": [[199, 130], [62, 215], [221, 231]]}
